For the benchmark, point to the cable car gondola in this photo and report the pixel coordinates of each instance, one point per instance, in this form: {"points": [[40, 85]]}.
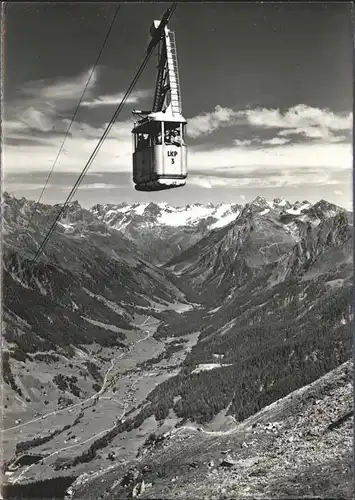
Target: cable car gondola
{"points": [[159, 147]]}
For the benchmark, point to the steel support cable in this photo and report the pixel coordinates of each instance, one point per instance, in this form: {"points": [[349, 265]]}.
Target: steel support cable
{"points": [[74, 115], [98, 146]]}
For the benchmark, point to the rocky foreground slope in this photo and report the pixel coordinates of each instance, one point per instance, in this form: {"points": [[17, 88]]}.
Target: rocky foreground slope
{"points": [[300, 446]]}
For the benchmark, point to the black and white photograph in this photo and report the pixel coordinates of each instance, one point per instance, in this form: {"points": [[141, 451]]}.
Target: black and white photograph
{"points": [[177, 250]]}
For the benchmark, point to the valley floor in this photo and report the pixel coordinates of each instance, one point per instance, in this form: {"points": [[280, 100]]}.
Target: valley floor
{"points": [[72, 430]]}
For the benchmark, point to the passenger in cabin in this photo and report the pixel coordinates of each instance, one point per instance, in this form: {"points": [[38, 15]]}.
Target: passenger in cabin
{"points": [[176, 140], [172, 137], [167, 137], [143, 141], [158, 139], [146, 141]]}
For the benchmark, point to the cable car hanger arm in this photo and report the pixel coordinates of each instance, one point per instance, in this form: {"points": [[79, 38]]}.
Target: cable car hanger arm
{"points": [[158, 34]]}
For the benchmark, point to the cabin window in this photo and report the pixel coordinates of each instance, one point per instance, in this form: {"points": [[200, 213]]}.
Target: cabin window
{"points": [[155, 133], [173, 134], [157, 138], [142, 141], [183, 127]]}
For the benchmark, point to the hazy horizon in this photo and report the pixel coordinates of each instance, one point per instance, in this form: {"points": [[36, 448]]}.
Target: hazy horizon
{"points": [[242, 203]]}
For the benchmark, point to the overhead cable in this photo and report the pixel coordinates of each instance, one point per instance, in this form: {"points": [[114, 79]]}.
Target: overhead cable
{"points": [[75, 113]]}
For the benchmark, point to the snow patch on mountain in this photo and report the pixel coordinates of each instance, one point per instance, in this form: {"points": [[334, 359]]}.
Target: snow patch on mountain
{"points": [[278, 202], [67, 227], [315, 221], [208, 366], [108, 303], [264, 212], [151, 214], [112, 328], [297, 208], [193, 214]]}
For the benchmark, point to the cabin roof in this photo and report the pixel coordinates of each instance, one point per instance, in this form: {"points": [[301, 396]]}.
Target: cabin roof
{"points": [[154, 118]]}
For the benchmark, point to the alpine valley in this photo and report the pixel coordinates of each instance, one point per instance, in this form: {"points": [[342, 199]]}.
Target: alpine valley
{"points": [[177, 352]]}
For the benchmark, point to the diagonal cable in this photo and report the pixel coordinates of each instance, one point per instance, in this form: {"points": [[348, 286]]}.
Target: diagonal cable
{"points": [[74, 115]]}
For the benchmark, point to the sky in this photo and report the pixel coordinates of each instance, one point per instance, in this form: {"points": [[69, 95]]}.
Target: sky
{"points": [[266, 90]]}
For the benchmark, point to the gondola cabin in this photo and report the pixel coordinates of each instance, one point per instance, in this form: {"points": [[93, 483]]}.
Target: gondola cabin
{"points": [[160, 155], [159, 147]]}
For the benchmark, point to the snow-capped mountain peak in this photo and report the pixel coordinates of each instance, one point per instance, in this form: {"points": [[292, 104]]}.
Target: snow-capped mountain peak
{"points": [[119, 216]]}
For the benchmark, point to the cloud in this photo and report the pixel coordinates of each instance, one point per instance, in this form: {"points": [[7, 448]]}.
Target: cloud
{"points": [[115, 153], [276, 141], [244, 142], [301, 120], [308, 121], [327, 156], [14, 126], [36, 119], [290, 178], [115, 99], [207, 123], [313, 132], [299, 116], [63, 89], [42, 103], [98, 185], [81, 130], [20, 140], [28, 186], [203, 182]]}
